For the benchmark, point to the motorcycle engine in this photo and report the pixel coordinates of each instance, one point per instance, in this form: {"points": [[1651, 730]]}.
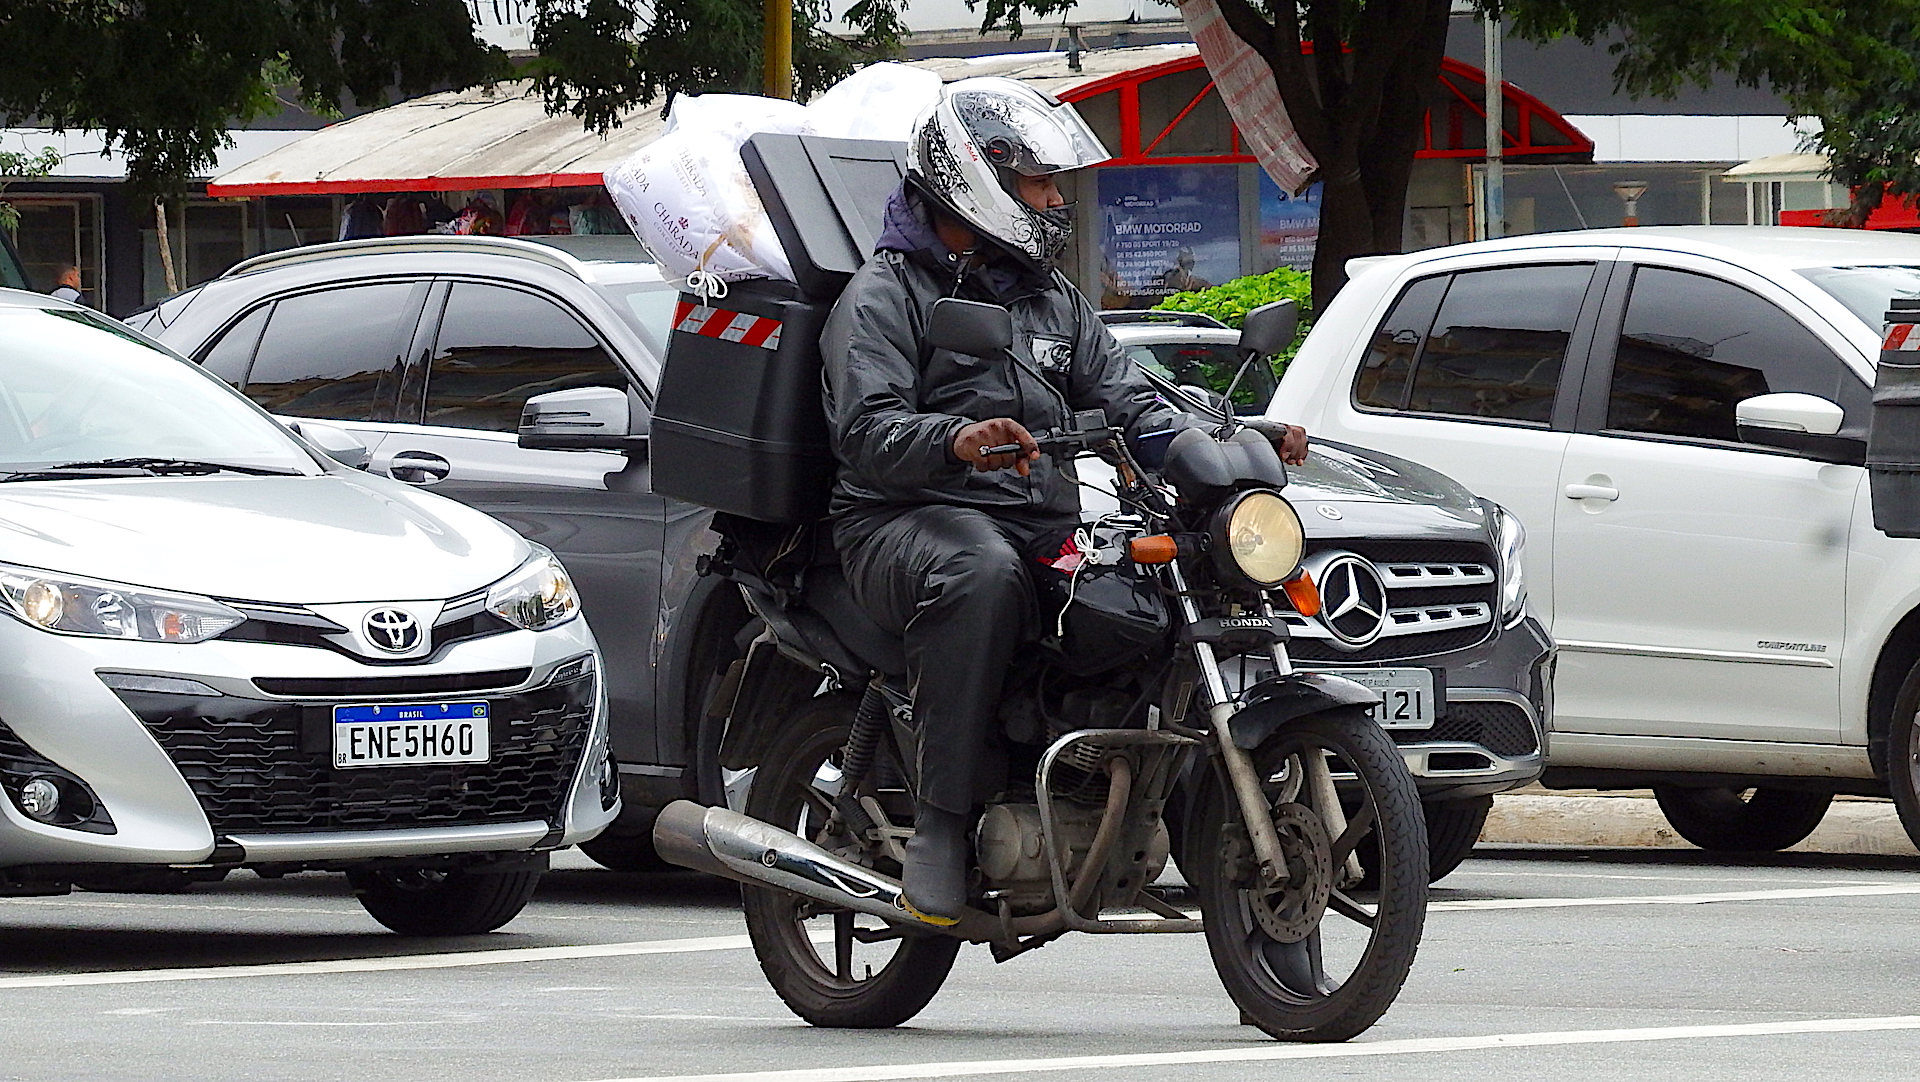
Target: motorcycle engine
{"points": [[1012, 851]]}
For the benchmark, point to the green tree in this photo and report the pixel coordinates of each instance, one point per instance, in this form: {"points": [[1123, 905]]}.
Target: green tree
{"points": [[23, 165], [164, 80]]}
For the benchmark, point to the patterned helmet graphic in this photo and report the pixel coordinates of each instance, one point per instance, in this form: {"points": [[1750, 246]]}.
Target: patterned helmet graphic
{"points": [[967, 150]]}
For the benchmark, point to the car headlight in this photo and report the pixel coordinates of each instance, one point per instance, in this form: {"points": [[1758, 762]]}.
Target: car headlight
{"points": [[1258, 537], [106, 610], [537, 596], [1513, 564]]}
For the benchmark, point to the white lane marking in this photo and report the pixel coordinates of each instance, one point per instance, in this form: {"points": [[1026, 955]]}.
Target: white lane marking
{"points": [[1677, 899], [1271, 1052], [451, 960], [242, 1022], [1665, 878]]}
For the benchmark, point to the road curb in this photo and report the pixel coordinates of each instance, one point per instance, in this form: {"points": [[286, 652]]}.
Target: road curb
{"points": [[1632, 820]]}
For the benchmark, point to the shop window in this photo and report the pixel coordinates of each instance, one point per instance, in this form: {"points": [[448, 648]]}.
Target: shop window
{"points": [[1205, 129], [1692, 347], [294, 221], [1102, 114], [333, 354], [499, 347], [57, 232]]}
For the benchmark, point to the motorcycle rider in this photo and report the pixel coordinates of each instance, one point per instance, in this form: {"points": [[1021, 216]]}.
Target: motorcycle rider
{"points": [[930, 529]]}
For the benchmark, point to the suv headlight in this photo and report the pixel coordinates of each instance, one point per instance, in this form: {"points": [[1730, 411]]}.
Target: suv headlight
{"points": [[537, 596], [1512, 542], [106, 610]]}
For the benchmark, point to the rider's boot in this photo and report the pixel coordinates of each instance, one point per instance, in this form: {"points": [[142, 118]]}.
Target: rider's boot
{"points": [[935, 876]]}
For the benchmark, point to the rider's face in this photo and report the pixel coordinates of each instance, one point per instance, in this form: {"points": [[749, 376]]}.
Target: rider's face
{"points": [[1040, 193]]}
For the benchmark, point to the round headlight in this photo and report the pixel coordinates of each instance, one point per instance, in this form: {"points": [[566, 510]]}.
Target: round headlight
{"points": [[1260, 536]]}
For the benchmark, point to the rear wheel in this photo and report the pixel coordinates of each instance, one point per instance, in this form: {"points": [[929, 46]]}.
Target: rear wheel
{"points": [[434, 901], [1743, 820], [832, 967], [1317, 957]]}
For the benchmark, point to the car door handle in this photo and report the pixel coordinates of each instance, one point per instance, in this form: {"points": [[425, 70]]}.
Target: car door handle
{"points": [[1592, 492], [419, 468]]}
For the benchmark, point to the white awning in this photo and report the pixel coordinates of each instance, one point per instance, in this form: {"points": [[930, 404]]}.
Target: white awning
{"points": [[1780, 167]]}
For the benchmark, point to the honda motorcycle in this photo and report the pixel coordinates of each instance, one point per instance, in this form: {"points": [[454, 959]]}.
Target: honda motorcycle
{"points": [[1158, 713]]}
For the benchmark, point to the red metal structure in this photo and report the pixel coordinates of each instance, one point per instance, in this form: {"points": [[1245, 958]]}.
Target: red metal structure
{"points": [[1186, 123]]}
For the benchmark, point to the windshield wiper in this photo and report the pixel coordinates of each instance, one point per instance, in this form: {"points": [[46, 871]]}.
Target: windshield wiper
{"points": [[142, 466]]}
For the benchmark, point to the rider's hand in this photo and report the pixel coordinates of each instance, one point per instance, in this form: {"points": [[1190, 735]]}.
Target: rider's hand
{"points": [[980, 435], [1292, 446]]}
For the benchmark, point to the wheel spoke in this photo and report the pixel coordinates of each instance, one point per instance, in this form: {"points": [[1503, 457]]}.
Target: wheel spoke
{"points": [[1350, 909], [843, 945], [1357, 827]]}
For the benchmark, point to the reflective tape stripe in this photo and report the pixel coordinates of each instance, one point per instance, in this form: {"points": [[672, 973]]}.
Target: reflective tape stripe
{"points": [[1900, 337], [741, 327]]}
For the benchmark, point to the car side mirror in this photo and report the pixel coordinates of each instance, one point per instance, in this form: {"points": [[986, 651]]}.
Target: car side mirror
{"points": [[1269, 328], [1803, 423], [973, 328], [336, 443], [584, 419]]}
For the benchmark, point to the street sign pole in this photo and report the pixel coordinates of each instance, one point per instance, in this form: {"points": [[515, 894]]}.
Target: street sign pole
{"points": [[1495, 214]]}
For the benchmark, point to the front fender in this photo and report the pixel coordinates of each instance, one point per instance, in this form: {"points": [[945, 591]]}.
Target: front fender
{"points": [[1279, 699]]}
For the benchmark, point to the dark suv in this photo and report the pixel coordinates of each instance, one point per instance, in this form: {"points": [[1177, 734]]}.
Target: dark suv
{"points": [[429, 348]]}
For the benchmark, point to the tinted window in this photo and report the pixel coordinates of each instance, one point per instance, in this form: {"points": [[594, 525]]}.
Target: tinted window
{"points": [[333, 354], [499, 347], [230, 353], [1692, 346], [1382, 380], [1209, 365], [1498, 343]]}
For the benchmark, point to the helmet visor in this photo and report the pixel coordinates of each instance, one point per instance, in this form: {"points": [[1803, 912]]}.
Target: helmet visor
{"points": [[1027, 132]]}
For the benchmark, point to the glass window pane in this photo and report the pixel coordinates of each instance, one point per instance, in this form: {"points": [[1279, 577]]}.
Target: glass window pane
{"points": [[230, 354], [1692, 346], [1382, 379], [333, 354], [499, 347], [1498, 343]]}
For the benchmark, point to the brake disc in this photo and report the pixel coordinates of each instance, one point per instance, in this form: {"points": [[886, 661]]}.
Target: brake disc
{"points": [[1290, 912]]}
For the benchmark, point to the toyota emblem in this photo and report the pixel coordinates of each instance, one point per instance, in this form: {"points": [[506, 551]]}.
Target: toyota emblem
{"points": [[1353, 600], [393, 630]]}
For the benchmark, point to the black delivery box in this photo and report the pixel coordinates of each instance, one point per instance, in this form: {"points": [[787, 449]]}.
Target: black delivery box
{"points": [[738, 425]]}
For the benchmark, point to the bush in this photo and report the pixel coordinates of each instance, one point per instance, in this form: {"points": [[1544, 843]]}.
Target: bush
{"points": [[1230, 302]]}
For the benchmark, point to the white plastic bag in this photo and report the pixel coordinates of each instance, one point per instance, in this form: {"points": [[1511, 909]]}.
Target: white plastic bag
{"points": [[880, 101], [688, 199]]}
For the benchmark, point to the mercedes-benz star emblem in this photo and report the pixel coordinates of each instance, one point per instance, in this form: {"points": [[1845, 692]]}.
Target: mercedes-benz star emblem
{"points": [[393, 630], [1353, 601]]}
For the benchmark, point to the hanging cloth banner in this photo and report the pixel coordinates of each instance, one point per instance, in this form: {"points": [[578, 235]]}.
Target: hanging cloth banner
{"points": [[1253, 99]]}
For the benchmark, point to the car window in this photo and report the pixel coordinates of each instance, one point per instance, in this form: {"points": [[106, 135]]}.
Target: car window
{"points": [[1866, 291], [1382, 380], [1207, 364], [499, 347], [647, 307], [333, 354], [1498, 342], [232, 352], [1692, 346]]}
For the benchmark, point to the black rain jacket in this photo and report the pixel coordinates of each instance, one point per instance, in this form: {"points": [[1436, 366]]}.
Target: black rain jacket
{"points": [[893, 404]]}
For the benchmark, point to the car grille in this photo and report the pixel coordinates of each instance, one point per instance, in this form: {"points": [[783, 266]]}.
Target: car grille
{"points": [[261, 767], [1419, 594], [362, 687], [461, 619], [1501, 728]]}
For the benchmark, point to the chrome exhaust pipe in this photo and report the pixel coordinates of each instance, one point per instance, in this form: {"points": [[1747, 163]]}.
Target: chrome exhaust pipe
{"points": [[726, 843]]}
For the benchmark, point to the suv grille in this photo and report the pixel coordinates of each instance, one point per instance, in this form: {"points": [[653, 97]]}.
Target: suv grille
{"points": [[1417, 575], [261, 767], [1501, 728]]}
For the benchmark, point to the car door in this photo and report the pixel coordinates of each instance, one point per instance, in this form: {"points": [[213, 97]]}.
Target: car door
{"points": [[1701, 580], [329, 354], [491, 346], [1468, 371]]}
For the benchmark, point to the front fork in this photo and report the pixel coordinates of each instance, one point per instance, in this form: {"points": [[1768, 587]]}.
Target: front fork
{"points": [[1245, 779]]}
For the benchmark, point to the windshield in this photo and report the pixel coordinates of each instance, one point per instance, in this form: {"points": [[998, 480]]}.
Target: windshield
{"points": [[1866, 290], [75, 387], [1209, 365]]}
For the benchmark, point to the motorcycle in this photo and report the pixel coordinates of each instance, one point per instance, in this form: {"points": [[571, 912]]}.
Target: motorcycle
{"points": [[1158, 714]]}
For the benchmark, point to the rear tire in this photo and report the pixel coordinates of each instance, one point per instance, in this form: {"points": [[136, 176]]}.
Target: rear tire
{"points": [[1273, 948], [1744, 820], [1453, 826], [433, 902], [828, 992]]}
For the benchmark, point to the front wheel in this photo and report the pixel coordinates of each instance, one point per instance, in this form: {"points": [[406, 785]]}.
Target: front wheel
{"points": [[434, 901], [1742, 820], [1320, 956], [833, 967]]}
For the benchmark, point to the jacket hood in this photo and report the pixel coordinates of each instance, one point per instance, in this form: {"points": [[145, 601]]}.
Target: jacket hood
{"points": [[291, 540], [908, 228]]}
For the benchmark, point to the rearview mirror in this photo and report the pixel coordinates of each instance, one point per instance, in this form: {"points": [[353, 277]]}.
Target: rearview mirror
{"points": [[336, 443], [1803, 423], [1269, 328], [974, 328], [583, 419]]}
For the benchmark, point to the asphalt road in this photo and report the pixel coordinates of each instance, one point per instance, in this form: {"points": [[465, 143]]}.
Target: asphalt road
{"points": [[1538, 963]]}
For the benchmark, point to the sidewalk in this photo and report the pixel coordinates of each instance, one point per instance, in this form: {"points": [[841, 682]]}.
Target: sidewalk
{"points": [[1853, 826]]}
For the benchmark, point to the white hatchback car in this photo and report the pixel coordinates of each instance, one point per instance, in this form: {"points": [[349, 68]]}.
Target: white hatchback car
{"points": [[1678, 417], [220, 648]]}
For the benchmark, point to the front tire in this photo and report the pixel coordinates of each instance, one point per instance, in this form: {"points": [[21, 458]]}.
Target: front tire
{"points": [[874, 975], [1453, 826], [1280, 952], [1745, 820], [442, 902]]}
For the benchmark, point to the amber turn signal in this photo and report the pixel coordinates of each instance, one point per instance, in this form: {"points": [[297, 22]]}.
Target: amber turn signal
{"points": [[1153, 549], [1304, 595]]}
